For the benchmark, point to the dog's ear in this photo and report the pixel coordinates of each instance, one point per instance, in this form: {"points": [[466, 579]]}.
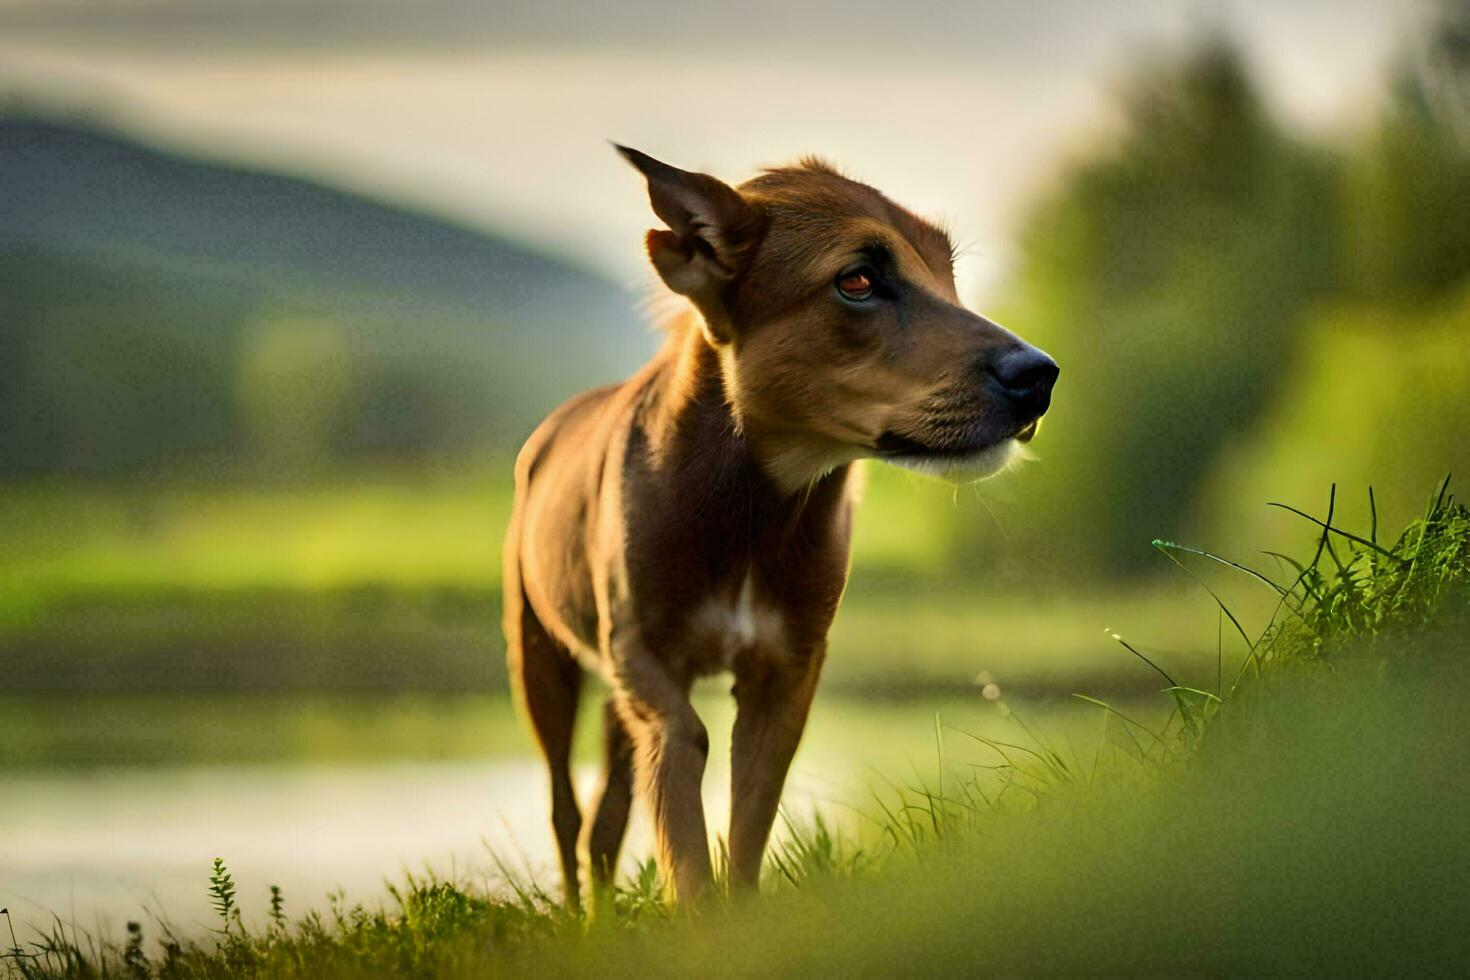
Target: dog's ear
{"points": [[712, 232]]}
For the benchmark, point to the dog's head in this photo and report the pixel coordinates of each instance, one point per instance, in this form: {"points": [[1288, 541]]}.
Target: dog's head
{"points": [[839, 330]]}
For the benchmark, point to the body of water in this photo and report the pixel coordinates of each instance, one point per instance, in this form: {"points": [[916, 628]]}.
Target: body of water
{"points": [[98, 845]]}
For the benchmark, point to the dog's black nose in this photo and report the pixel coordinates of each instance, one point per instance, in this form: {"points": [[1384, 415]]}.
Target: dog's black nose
{"points": [[1026, 375]]}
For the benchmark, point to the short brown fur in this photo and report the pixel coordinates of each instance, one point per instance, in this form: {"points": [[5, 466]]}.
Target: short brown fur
{"points": [[696, 518]]}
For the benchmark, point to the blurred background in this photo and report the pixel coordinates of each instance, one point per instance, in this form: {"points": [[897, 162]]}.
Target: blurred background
{"points": [[283, 285]]}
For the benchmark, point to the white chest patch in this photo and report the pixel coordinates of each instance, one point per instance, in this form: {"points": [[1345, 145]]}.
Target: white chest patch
{"points": [[732, 629]]}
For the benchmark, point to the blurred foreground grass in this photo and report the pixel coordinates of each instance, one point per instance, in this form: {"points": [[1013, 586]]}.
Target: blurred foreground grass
{"points": [[1324, 835]]}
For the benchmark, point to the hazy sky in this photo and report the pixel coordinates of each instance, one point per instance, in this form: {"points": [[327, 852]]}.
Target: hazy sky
{"points": [[498, 112]]}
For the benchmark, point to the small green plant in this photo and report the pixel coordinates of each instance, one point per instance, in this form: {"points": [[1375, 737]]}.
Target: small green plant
{"points": [[135, 961], [278, 909], [15, 954], [639, 899], [222, 896]]}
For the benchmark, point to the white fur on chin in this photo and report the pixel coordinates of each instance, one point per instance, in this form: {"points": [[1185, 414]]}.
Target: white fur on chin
{"points": [[982, 465], [797, 467]]}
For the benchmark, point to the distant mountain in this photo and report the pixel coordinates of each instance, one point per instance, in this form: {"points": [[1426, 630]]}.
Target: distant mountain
{"points": [[149, 304]]}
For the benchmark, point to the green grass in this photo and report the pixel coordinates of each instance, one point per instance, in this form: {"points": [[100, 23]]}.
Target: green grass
{"points": [[391, 582], [412, 530], [1307, 819]]}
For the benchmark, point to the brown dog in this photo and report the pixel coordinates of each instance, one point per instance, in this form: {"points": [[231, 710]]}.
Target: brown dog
{"points": [[696, 518]]}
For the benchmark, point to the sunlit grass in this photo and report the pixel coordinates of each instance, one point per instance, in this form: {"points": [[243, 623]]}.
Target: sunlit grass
{"points": [[406, 530], [393, 580], [412, 531]]}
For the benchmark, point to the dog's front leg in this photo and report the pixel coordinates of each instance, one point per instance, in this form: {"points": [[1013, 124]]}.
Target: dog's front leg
{"points": [[772, 697], [670, 750]]}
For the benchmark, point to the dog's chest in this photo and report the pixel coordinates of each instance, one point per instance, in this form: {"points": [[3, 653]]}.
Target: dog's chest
{"points": [[728, 627]]}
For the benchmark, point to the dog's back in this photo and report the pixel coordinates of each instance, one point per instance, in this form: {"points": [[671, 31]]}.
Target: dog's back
{"points": [[558, 474]]}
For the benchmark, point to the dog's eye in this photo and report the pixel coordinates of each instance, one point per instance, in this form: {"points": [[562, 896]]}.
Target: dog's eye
{"points": [[856, 285]]}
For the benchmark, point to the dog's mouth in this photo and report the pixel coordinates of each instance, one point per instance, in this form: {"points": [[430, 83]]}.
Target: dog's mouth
{"points": [[963, 456], [898, 447]]}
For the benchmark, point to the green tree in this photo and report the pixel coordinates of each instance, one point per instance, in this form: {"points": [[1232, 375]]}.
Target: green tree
{"points": [[1406, 196], [1381, 378], [1166, 272]]}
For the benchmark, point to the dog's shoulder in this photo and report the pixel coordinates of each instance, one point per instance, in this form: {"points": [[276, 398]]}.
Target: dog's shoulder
{"points": [[565, 424]]}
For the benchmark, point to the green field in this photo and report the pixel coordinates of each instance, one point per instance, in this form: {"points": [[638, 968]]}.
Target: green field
{"points": [[409, 530], [392, 583], [414, 531]]}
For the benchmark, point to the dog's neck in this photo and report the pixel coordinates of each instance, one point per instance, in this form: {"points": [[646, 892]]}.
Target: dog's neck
{"points": [[694, 422]]}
